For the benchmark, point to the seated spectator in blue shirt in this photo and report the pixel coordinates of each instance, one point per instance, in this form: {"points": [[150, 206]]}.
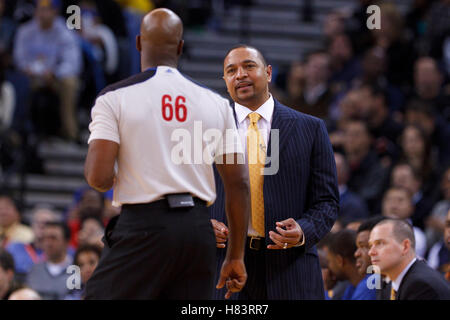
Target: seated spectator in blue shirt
{"points": [[49, 278], [49, 53], [352, 206], [26, 255], [342, 262]]}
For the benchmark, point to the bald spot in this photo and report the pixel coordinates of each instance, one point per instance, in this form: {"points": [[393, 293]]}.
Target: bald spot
{"points": [[161, 29]]}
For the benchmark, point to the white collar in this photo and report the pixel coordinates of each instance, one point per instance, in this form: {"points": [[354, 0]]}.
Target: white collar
{"points": [[265, 110], [396, 284]]}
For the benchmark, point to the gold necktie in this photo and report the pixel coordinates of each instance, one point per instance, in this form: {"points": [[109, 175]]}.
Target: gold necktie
{"points": [[256, 152], [393, 294]]}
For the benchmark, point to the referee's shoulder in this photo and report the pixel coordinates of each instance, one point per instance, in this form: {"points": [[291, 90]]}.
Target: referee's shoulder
{"points": [[131, 80], [207, 89]]}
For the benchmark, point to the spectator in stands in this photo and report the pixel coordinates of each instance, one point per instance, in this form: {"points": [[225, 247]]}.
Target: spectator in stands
{"points": [[102, 39], [49, 278], [392, 250], [356, 26], [27, 254], [352, 206], [142, 7], [418, 152], [404, 176], [374, 65], [391, 38], [398, 204], [416, 19], [367, 175], [7, 283], [7, 97], [328, 278], [49, 53], [439, 254], [91, 203], [438, 25], [436, 129], [341, 251], [333, 25], [435, 224], [24, 294], [9, 139], [384, 129], [428, 85], [354, 105], [354, 225], [86, 257], [362, 253], [317, 94], [295, 83], [343, 64], [91, 231], [334, 289], [7, 29], [11, 229]]}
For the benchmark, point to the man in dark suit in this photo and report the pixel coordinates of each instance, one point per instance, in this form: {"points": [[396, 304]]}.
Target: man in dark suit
{"points": [[294, 195], [392, 250]]}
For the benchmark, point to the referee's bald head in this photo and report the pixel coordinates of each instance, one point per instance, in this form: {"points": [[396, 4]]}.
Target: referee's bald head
{"points": [[160, 41]]}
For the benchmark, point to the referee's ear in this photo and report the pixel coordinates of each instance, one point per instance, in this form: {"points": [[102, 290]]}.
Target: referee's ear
{"points": [[180, 47], [138, 43]]}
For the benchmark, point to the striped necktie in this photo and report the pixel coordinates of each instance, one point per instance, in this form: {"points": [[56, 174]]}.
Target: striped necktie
{"points": [[256, 152], [393, 294]]}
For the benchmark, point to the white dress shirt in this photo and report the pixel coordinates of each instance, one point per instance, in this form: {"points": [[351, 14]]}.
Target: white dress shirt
{"points": [[264, 123]]}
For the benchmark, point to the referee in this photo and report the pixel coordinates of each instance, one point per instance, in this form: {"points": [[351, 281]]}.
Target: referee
{"points": [[162, 245]]}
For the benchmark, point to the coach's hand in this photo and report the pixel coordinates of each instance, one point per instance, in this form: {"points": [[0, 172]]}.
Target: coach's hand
{"points": [[221, 232], [289, 234], [234, 275]]}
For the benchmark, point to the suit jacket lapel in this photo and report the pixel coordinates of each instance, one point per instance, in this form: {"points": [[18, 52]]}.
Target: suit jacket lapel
{"points": [[281, 121], [405, 277]]}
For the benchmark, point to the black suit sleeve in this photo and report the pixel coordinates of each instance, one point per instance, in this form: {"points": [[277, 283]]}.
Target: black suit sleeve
{"points": [[420, 290], [322, 193]]}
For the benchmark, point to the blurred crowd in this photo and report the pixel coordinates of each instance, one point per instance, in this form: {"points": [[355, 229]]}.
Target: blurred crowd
{"points": [[383, 94], [53, 64], [385, 97]]}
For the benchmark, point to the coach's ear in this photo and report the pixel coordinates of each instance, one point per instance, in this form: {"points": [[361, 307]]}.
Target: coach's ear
{"points": [[138, 43]]}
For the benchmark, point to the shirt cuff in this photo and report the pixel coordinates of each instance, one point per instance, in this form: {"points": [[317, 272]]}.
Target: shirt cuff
{"points": [[302, 240]]}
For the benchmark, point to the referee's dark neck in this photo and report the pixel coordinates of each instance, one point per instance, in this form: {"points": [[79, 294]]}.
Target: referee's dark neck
{"points": [[145, 65]]}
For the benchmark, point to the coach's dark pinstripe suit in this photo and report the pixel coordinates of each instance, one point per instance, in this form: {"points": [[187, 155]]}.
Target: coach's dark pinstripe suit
{"points": [[305, 188]]}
